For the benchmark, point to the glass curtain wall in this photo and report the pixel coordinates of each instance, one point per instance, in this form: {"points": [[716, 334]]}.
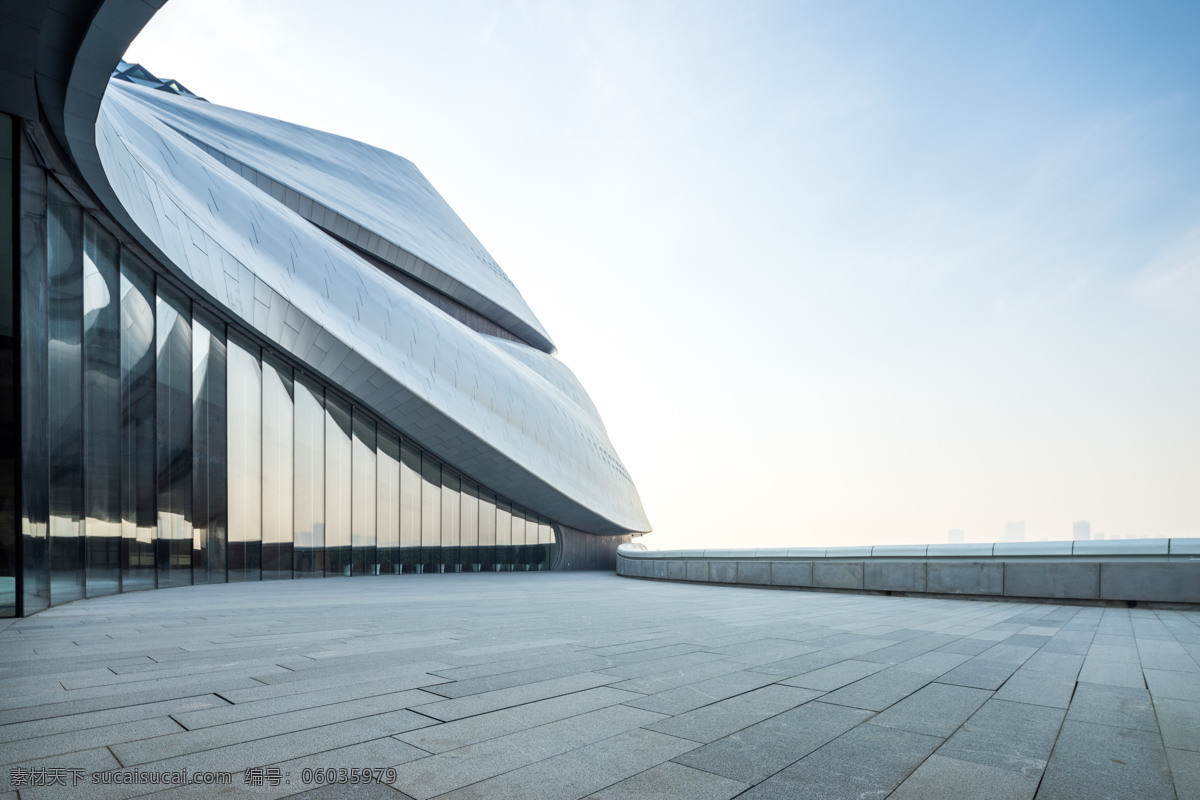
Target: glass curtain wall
{"points": [[244, 549], [101, 410], [278, 465], [410, 505], [338, 498], [139, 501], [387, 498], [64, 406], [364, 483], [34, 369], [174, 424], [209, 417], [161, 447], [308, 495], [9, 569]]}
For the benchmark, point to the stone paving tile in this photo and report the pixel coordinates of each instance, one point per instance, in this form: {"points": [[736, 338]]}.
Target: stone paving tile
{"points": [[109, 716], [711, 722], [877, 692], [867, 762], [1185, 770], [459, 733], [1098, 762], [727, 687], [1112, 673], [1012, 736], [943, 778], [671, 781], [40, 747], [979, 673], [581, 772], [701, 693], [1118, 706], [835, 676], [936, 710], [659, 682], [1037, 688], [1179, 723], [753, 753], [192, 741], [1175, 685], [445, 772], [471, 705]]}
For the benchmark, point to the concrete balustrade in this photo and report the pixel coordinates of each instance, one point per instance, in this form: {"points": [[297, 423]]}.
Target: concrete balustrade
{"points": [[1118, 570]]}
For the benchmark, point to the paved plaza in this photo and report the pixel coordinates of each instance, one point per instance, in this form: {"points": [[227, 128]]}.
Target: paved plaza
{"points": [[561, 686]]}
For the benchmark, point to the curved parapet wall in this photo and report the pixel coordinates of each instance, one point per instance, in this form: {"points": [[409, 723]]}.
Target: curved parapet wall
{"points": [[1116, 570]]}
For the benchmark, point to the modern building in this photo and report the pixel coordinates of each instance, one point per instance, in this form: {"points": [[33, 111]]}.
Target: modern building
{"points": [[1082, 531], [232, 348], [1014, 531], [955, 536]]}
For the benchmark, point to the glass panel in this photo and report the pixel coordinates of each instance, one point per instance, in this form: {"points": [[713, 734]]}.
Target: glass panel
{"points": [[387, 502], [487, 528], [504, 532], [8, 376], [102, 410], [431, 511], [34, 279], [363, 490], [139, 489], [337, 486], [209, 418], [410, 505], [451, 484], [244, 552], [519, 553], [469, 523], [65, 401], [174, 424], [309, 495], [277, 464]]}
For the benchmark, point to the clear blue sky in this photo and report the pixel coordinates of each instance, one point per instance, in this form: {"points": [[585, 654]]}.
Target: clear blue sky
{"points": [[833, 272]]}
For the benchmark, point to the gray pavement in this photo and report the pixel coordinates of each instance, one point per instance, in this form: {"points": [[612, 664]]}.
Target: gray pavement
{"points": [[562, 686]]}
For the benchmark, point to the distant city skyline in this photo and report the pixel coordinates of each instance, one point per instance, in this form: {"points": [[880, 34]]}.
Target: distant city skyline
{"points": [[832, 273]]}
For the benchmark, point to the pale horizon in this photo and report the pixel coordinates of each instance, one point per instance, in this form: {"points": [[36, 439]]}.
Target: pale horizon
{"points": [[833, 274]]}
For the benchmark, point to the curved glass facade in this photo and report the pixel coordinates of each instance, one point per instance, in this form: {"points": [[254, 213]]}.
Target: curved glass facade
{"points": [[179, 451]]}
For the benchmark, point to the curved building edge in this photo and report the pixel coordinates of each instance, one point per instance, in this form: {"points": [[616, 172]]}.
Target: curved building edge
{"points": [[492, 411]]}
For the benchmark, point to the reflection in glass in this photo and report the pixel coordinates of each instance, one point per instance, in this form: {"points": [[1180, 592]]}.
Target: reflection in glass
{"points": [[174, 424], [102, 410], [65, 400], [504, 554], [431, 511], [9, 444], [487, 528], [309, 494], [469, 523], [277, 465], [209, 418], [337, 486], [363, 486], [244, 551], [139, 489], [410, 505], [451, 484], [34, 500], [387, 502]]}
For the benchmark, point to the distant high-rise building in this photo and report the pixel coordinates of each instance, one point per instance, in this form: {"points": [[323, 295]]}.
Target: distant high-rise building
{"points": [[1014, 531], [1082, 531], [955, 536]]}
